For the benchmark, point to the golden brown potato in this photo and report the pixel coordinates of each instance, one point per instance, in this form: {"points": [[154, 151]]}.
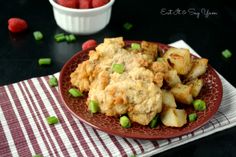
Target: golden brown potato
{"points": [[171, 77], [174, 117], [168, 99], [179, 59], [117, 40], [199, 67], [182, 93], [150, 48], [197, 85]]}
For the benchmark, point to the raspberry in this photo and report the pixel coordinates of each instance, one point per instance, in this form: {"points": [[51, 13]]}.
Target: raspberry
{"points": [[88, 44], [99, 3], [69, 3], [16, 25], [84, 4]]}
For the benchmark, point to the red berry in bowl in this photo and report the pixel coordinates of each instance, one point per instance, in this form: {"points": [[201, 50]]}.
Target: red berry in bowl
{"points": [[17, 25], [88, 44], [99, 3], [84, 4], [69, 3]]}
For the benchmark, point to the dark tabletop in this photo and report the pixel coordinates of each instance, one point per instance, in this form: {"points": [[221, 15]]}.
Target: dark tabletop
{"points": [[208, 35]]}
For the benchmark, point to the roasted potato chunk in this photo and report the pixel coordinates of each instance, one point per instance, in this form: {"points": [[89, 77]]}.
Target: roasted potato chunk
{"points": [[172, 78], [182, 93], [168, 99], [150, 48], [199, 68], [174, 117], [179, 59], [197, 85]]}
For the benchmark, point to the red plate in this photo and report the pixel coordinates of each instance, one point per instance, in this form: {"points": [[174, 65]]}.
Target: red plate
{"points": [[211, 93]]}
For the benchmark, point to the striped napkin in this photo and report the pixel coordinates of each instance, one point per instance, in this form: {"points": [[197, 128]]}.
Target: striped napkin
{"points": [[24, 131]]}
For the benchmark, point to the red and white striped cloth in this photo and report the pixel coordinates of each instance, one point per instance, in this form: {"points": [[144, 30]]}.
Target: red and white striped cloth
{"points": [[24, 131]]}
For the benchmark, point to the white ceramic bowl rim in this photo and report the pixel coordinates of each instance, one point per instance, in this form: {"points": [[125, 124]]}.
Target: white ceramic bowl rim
{"points": [[74, 10]]}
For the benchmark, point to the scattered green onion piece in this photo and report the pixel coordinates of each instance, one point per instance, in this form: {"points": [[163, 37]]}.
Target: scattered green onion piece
{"points": [[38, 35], [132, 155], [53, 81], [192, 117], [44, 61], [199, 105], [75, 92], [52, 120], [93, 106], [37, 155], [119, 68], [71, 38], [135, 46], [60, 37], [226, 53], [153, 122], [125, 122], [127, 26]]}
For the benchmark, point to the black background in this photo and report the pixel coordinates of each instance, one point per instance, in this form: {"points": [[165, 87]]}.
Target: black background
{"points": [[19, 53]]}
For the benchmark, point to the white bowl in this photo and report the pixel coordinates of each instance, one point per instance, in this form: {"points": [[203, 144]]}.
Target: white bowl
{"points": [[82, 21]]}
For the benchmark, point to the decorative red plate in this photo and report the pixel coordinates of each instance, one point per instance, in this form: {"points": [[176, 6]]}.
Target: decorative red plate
{"points": [[211, 94]]}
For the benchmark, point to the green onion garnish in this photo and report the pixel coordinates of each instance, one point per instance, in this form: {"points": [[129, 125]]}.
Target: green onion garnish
{"points": [[125, 122], [44, 61], [75, 92], [60, 37], [53, 81], [52, 120], [127, 26], [135, 46], [70, 38], [37, 155], [93, 106], [153, 122], [192, 117], [38, 35], [199, 105], [119, 68], [226, 53]]}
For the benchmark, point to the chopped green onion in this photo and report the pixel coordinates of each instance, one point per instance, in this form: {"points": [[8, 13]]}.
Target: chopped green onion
{"points": [[199, 105], [75, 92], [127, 26], [135, 46], [44, 61], [192, 117], [153, 122], [53, 81], [119, 68], [93, 106], [125, 122], [226, 53], [38, 35], [60, 37], [132, 155], [37, 155], [70, 38], [52, 120]]}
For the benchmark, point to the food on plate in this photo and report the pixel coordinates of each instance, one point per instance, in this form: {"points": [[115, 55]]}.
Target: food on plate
{"points": [[174, 117], [192, 117], [135, 82], [17, 25], [199, 105]]}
